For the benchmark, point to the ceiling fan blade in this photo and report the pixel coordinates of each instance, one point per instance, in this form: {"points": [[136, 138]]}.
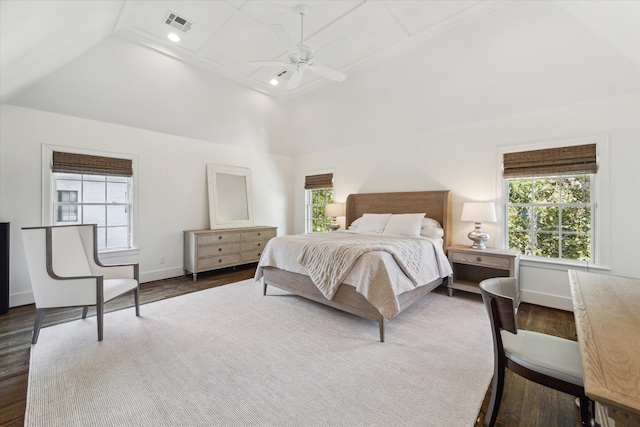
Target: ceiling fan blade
{"points": [[267, 63], [295, 79], [286, 39], [329, 73], [333, 48]]}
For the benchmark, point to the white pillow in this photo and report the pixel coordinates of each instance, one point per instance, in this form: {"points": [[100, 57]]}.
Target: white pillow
{"points": [[373, 223], [430, 222], [354, 224], [433, 232], [405, 224]]}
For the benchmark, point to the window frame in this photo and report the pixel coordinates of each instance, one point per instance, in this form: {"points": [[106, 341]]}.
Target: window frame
{"points": [[49, 194], [599, 193]]}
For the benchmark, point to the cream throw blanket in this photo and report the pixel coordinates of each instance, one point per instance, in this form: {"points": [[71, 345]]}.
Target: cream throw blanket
{"points": [[329, 262]]}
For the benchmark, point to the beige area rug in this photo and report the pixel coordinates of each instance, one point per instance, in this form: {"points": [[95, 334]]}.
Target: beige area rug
{"points": [[230, 356]]}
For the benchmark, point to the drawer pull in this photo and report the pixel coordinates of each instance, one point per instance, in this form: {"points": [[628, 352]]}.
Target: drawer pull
{"points": [[219, 249], [219, 237], [259, 244], [219, 260], [259, 234], [479, 259]]}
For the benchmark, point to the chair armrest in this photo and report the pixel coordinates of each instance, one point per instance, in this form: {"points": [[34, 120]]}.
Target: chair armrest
{"points": [[118, 271]]}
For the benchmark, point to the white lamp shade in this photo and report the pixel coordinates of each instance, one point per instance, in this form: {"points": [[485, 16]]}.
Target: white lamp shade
{"points": [[479, 212], [334, 209]]}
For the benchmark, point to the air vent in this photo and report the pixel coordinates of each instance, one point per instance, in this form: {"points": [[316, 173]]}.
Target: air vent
{"points": [[284, 75], [178, 22]]}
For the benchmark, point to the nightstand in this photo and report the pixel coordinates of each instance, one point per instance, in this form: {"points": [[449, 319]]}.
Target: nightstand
{"points": [[471, 266]]}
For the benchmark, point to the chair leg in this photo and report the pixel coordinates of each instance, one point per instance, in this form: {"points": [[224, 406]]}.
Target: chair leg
{"points": [[136, 298], [37, 324], [584, 411], [85, 310], [497, 385], [100, 316]]}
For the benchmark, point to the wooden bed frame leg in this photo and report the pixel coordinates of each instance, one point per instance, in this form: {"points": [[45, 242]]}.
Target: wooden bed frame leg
{"points": [[264, 288], [381, 321]]}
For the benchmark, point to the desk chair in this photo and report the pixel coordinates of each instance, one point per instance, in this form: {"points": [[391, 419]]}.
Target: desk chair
{"points": [[545, 359]]}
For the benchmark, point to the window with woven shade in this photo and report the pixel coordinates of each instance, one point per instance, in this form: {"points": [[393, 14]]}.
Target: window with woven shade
{"points": [[94, 189], [318, 194], [550, 201]]}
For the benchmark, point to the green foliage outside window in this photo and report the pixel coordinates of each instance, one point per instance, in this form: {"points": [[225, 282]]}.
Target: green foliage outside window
{"points": [[551, 217], [317, 199]]}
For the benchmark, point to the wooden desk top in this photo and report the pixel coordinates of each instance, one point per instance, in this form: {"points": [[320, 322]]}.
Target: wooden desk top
{"points": [[607, 313]]}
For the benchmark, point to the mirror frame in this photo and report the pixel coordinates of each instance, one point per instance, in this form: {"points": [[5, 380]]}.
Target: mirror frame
{"points": [[212, 185]]}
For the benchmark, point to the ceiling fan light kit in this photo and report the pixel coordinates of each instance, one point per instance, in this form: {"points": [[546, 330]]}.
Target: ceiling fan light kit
{"points": [[302, 57]]}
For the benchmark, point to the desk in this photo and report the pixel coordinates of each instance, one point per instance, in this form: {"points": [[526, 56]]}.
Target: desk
{"points": [[607, 313]]}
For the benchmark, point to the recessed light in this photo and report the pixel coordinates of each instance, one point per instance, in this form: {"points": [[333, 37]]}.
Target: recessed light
{"points": [[173, 37], [274, 82]]}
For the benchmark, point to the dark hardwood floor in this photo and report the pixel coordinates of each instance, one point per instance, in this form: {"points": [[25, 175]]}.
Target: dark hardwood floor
{"points": [[524, 403]]}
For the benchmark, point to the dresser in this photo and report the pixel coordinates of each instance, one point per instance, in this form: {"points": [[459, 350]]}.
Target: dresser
{"points": [[471, 266], [206, 250]]}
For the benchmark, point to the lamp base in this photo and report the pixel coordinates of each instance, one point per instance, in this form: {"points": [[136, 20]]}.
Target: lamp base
{"points": [[334, 225], [478, 237]]}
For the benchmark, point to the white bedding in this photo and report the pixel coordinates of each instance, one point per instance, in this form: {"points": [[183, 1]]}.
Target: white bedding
{"points": [[376, 275]]}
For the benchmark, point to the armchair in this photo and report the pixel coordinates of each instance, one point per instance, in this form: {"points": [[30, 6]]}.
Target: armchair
{"points": [[65, 272]]}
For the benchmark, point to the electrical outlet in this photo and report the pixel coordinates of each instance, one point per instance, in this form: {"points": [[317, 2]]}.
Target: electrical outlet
{"points": [[162, 260]]}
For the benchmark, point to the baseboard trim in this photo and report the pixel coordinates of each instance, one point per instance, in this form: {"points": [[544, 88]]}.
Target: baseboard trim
{"points": [[168, 273], [24, 298], [546, 300]]}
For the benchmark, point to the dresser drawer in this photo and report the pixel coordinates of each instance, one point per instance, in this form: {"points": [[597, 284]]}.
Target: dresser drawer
{"points": [[214, 250], [479, 259], [263, 234], [218, 261], [251, 256], [253, 246], [212, 238]]}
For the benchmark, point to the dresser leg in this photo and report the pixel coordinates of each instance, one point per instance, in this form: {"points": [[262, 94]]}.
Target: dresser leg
{"points": [[195, 276]]}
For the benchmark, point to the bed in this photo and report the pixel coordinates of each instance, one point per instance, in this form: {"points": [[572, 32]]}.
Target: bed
{"points": [[274, 271]]}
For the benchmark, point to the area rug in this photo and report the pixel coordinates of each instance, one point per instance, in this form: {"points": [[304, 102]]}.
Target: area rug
{"points": [[229, 356]]}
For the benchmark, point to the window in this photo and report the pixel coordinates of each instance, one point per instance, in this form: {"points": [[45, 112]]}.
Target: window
{"points": [[91, 189], [551, 217], [97, 199], [319, 193], [550, 202]]}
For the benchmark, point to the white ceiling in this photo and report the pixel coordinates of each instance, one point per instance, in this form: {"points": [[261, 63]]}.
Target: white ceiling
{"points": [[227, 34], [415, 66]]}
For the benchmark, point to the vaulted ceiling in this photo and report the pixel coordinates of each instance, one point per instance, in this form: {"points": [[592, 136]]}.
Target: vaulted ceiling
{"points": [[473, 59]]}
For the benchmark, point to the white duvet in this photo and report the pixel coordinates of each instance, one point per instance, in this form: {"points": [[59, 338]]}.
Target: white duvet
{"points": [[375, 274]]}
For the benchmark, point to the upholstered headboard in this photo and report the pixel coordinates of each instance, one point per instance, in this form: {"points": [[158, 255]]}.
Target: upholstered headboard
{"points": [[436, 205]]}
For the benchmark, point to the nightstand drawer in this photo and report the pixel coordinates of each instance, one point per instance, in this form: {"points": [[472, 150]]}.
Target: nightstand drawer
{"points": [[479, 259]]}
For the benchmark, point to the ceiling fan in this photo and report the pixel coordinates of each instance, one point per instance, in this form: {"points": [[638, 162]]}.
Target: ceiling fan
{"points": [[303, 57]]}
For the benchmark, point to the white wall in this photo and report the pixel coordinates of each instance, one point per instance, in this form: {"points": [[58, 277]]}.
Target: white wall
{"points": [[463, 159], [171, 184]]}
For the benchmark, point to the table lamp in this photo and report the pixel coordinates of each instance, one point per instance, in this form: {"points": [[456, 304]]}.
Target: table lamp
{"points": [[478, 213], [334, 210]]}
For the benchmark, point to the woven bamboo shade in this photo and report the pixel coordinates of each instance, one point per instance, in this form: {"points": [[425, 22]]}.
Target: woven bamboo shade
{"points": [[573, 160], [324, 180], [91, 165]]}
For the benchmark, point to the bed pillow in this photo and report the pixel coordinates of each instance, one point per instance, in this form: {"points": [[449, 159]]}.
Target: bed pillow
{"points": [[373, 223], [430, 222], [433, 232], [405, 224], [354, 224]]}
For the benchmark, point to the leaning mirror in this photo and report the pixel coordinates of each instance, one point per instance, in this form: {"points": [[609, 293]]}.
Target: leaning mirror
{"points": [[230, 196]]}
